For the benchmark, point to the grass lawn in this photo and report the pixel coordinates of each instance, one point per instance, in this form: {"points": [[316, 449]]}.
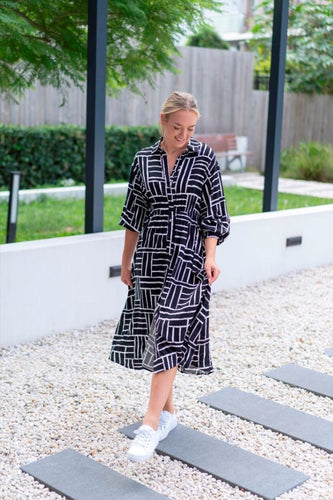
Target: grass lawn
{"points": [[49, 218]]}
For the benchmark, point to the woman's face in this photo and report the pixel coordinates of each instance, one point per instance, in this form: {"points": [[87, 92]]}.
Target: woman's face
{"points": [[178, 127]]}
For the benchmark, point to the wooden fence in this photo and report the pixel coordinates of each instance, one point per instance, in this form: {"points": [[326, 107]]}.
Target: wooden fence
{"points": [[305, 117], [222, 84]]}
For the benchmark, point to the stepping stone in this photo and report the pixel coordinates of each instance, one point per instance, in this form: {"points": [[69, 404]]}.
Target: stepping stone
{"points": [[78, 477], [274, 416], [311, 380], [329, 351], [226, 462]]}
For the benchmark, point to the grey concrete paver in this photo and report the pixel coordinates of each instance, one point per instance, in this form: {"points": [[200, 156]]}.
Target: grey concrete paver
{"points": [[310, 380], [76, 476], [280, 418], [227, 462], [255, 180]]}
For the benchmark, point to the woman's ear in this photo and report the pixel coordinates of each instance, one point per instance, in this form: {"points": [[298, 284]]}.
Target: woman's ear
{"points": [[164, 117]]}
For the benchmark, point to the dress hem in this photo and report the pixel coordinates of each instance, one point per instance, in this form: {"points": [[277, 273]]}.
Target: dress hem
{"points": [[181, 369]]}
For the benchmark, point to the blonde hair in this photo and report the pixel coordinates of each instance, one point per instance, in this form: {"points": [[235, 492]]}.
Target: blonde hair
{"points": [[179, 101]]}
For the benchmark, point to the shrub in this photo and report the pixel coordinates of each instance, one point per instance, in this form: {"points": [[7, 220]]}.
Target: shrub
{"points": [[207, 37], [50, 154], [309, 161]]}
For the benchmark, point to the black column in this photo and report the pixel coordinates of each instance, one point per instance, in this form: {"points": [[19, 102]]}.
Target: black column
{"points": [[275, 107], [95, 126]]}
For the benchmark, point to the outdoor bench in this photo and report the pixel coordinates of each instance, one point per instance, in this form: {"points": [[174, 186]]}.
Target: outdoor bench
{"points": [[225, 147]]}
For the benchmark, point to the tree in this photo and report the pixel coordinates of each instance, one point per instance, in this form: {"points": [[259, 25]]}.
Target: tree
{"points": [[47, 40], [248, 14], [207, 37], [309, 65]]}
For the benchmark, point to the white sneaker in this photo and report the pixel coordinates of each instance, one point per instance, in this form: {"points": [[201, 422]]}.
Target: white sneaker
{"points": [[167, 422], [144, 444]]}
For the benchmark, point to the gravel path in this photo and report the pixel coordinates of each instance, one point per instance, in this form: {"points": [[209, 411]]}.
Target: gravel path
{"points": [[62, 392]]}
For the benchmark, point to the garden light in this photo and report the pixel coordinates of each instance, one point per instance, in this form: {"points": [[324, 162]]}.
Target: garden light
{"points": [[13, 206]]}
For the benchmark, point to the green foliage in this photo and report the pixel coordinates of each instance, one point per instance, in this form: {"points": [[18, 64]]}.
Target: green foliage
{"points": [[309, 64], [43, 41], [50, 218], [262, 66], [309, 161], [47, 41], [48, 154], [207, 37], [121, 144]]}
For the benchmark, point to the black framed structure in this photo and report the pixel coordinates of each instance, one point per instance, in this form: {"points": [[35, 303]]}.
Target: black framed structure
{"points": [[275, 106], [95, 126]]}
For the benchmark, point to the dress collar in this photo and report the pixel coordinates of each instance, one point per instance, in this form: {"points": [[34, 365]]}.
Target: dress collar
{"points": [[193, 146]]}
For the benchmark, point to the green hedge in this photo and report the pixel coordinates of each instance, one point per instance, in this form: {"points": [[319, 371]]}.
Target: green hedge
{"points": [[49, 154]]}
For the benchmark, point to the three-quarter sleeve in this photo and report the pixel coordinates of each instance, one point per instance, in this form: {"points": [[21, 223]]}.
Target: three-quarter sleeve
{"points": [[136, 203], [214, 219]]}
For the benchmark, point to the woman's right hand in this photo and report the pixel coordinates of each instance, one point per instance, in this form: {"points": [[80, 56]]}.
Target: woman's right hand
{"points": [[126, 275], [131, 239]]}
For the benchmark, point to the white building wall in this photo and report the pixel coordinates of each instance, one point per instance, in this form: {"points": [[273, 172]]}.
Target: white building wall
{"points": [[52, 285]]}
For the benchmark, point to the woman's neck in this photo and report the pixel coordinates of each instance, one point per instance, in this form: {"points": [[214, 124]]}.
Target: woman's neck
{"points": [[174, 151]]}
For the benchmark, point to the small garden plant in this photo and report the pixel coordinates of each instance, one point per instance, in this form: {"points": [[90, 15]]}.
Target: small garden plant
{"points": [[311, 161]]}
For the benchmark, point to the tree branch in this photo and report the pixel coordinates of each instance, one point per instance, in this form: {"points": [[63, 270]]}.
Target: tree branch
{"points": [[26, 18]]}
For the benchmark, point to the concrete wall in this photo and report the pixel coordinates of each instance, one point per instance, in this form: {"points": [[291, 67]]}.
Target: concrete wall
{"points": [[57, 284]]}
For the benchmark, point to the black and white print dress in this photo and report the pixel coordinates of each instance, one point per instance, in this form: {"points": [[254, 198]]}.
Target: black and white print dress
{"points": [[165, 320]]}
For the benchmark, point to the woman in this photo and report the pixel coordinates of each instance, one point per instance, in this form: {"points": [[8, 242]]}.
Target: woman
{"points": [[175, 215]]}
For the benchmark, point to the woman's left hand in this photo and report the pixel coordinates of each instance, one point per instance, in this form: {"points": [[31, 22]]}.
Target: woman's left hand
{"points": [[212, 270]]}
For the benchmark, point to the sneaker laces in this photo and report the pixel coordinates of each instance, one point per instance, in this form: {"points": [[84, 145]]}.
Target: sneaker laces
{"points": [[143, 436]]}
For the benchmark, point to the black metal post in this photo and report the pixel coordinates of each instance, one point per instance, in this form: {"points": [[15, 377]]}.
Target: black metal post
{"points": [[13, 206], [275, 107], [95, 126]]}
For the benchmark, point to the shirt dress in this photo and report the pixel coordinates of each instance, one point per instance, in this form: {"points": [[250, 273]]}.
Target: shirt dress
{"points": [[165, 321]]}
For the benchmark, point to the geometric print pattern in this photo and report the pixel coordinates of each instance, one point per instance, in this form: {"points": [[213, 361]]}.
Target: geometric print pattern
{"points": [[165, 321]]}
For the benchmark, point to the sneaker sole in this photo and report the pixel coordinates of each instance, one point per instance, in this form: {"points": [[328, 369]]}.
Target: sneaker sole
{"points": [[136, 458]]}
